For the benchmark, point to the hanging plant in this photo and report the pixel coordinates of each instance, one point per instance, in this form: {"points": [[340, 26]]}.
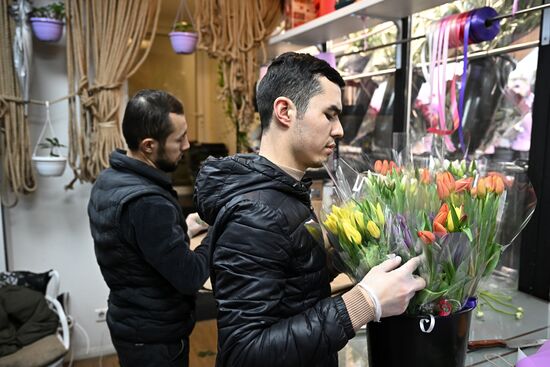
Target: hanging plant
{"points": [[47, 22], [183, 36], [54, 163]]}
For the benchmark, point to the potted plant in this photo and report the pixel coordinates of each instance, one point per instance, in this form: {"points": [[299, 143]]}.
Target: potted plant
{"points": [[47, 21], [52, 164], [183, 38]]}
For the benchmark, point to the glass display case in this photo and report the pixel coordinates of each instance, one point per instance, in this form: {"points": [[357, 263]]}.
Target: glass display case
{"points": [[500, 108]]}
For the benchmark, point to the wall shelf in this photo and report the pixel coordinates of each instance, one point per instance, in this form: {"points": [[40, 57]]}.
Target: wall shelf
{"points": [[352, 18]]}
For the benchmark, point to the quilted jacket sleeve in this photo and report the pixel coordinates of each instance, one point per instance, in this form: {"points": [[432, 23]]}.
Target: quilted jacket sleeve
{"points": [[250, 264], [154, 227]]}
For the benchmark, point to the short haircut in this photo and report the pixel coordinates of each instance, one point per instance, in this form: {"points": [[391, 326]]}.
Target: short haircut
{"points": [[295, 76], [147, 116]]}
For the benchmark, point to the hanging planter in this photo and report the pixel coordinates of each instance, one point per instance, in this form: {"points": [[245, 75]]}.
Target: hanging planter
{"points": [[183, 36], [183, 42], [47, 22], [53, 164], [49, 166]]}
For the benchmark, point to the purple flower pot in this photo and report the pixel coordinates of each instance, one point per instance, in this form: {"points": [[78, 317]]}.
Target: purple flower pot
{"points": [[46, 29], [183, 42]]}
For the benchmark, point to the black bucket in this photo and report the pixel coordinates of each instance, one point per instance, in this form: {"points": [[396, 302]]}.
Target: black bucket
{"points": [[408, 341]]}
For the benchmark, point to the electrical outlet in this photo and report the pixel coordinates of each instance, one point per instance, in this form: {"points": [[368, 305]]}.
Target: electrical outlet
{"points": [[101, 314]]}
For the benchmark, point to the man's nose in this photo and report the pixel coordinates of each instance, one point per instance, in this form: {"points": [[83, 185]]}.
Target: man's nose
{"points": [[338, 130]]}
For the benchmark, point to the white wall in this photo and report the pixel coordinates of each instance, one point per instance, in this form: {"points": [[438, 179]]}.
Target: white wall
{"points": [[49, 228]]}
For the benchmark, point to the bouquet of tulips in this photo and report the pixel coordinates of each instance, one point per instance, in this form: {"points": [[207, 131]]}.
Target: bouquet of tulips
{"points": [[448, 212]]}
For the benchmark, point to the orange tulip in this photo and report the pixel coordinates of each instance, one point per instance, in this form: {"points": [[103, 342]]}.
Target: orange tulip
{"points": [[385, 167], [464, 184], [442, 191], [449, 180], [425, 176], [378, 166], [490, 184], [439, 229], [445, 185], [441, 216], [481, 188], [499, 184], [426, 236], [505, 180]]}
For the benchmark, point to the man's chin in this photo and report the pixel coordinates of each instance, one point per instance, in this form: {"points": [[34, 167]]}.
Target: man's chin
{"points": [[167, 167], [318, 164]]}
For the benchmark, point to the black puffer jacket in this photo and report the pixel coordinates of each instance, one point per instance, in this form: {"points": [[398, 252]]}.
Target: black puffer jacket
{"points": [[269, 274], [142, 248]]}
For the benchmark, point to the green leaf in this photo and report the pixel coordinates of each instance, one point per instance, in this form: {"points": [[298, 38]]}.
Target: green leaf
{"points": [[493, 259], [468, 233]]}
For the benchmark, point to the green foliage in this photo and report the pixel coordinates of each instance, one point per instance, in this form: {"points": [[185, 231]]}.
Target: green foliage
{"points": [[52, 144], [54, 10], [183, 26]]}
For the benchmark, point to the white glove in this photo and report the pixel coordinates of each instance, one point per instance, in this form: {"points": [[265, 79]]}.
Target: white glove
{"points": [[391, 289], [195, 225]]}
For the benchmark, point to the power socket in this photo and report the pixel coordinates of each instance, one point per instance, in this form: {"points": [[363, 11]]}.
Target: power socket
{"points": [[101, 314]]}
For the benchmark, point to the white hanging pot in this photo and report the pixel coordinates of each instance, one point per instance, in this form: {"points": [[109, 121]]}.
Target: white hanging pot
{"points": [[53, 164], [49, 166]]}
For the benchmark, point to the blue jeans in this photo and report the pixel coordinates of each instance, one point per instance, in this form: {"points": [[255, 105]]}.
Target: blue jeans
{"points": [[153, 355]]}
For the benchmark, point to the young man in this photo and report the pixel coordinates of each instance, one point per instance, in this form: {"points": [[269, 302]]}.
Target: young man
{"points": [[270, 277], [141, 237]]}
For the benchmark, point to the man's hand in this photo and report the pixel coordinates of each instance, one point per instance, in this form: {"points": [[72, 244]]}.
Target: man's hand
{"points": [[195, 225], [393, 287]]}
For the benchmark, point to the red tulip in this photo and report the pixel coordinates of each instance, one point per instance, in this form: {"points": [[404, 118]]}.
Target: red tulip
{"points": [[445, 307]]}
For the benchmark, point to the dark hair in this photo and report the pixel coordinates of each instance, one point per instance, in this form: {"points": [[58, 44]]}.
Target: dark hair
{"points": [[295, 76], [147, 116]]}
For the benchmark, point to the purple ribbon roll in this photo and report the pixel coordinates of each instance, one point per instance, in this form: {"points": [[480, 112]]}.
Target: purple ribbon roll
{"points": [[479, 29]]}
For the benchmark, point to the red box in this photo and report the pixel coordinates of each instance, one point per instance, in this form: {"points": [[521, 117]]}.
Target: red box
{"points": [[298, 12], [324, 7]]}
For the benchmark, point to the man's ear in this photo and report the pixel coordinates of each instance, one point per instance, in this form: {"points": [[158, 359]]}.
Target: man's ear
{"points": [[284, 111], [148, 145]]}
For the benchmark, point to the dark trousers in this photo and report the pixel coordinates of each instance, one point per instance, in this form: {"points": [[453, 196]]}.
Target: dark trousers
{"points": [[153, 355]]}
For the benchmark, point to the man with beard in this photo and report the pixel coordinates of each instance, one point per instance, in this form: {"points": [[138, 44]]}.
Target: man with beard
{"points": [[141, 237], [270, 276]]}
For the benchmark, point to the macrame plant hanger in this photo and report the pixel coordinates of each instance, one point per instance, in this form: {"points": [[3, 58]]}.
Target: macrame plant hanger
{"points": [[54, 164], [182, 7], [183, 41]]}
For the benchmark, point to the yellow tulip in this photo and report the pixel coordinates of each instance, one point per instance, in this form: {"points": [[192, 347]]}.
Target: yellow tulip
{"points": [[373, 229], [331, 224], [359, 219], [336, 210], [451, 225], [351, 233]]}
